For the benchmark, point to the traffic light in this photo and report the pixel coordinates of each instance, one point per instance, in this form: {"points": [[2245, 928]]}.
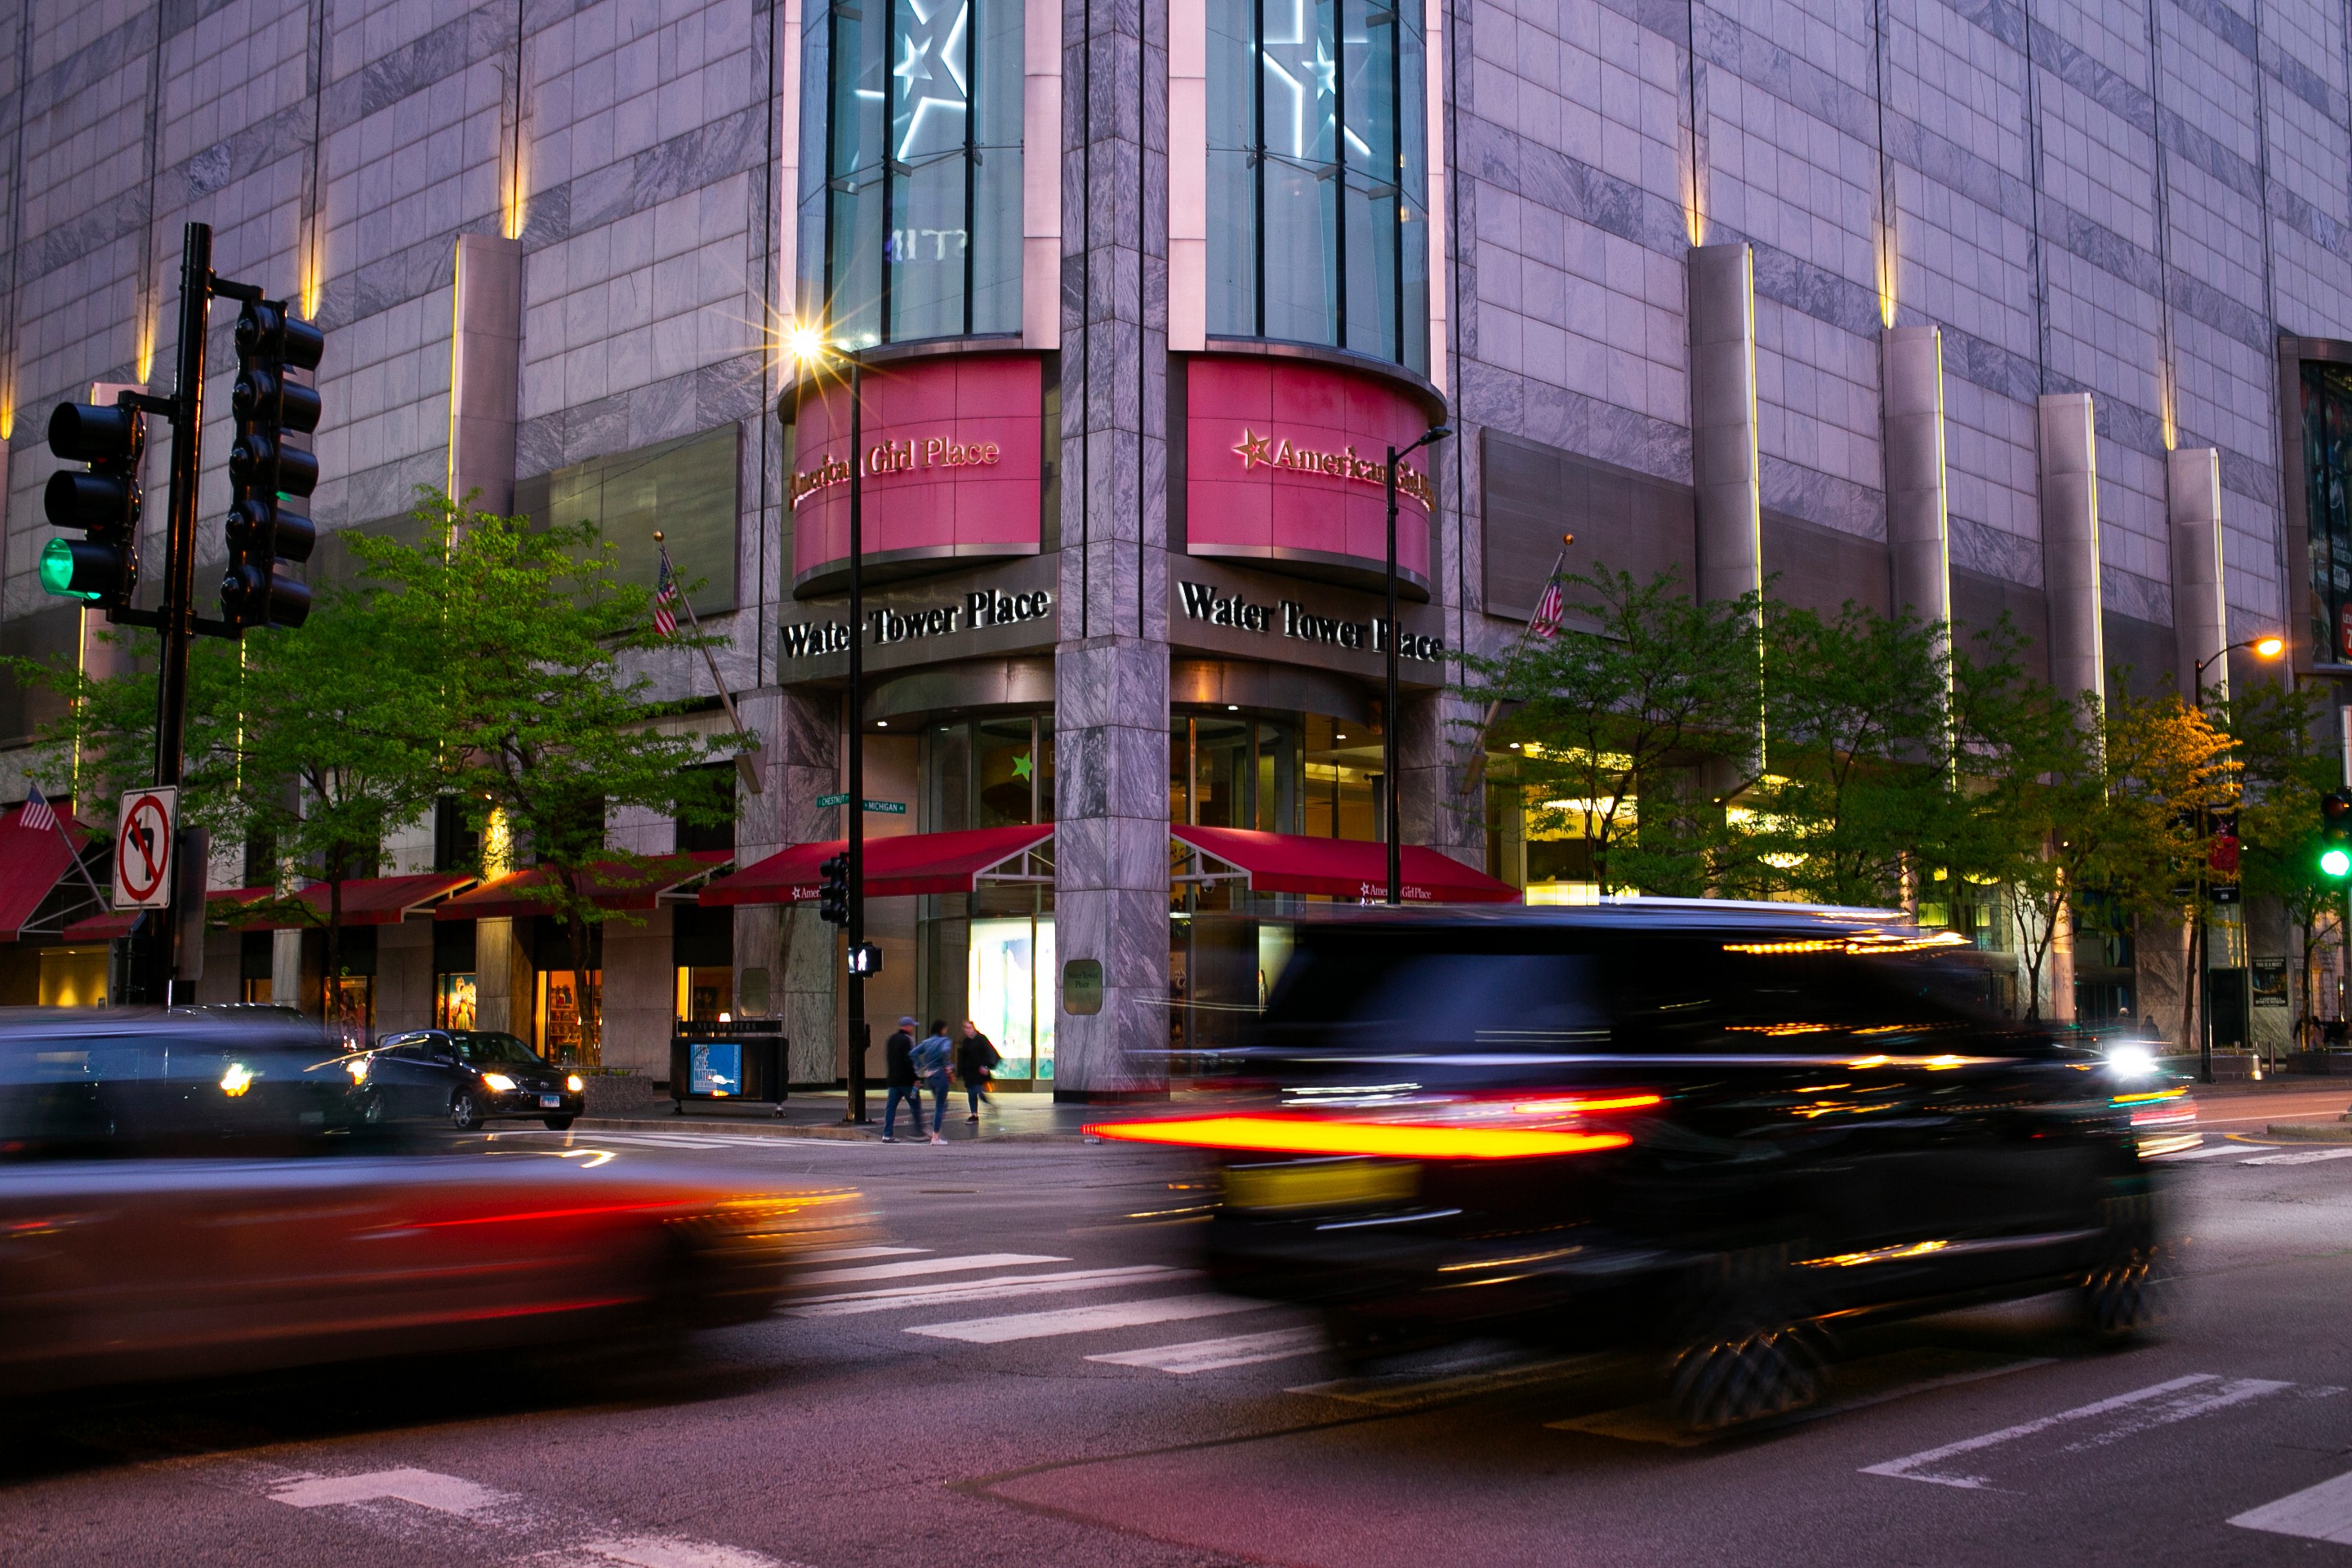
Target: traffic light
{"points": [[103, 501], [2335, 833], [263, 471], [833, 899]]}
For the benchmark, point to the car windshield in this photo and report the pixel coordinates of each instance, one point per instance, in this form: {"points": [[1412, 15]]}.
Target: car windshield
{"points": [[490, 1048]]}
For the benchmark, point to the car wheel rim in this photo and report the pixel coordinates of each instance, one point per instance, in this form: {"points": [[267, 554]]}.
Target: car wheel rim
{"points": [[1748, 1377]]}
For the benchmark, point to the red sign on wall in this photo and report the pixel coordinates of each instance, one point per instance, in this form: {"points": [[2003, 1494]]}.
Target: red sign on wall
{"points": [[1284, 460], [953, 465]]}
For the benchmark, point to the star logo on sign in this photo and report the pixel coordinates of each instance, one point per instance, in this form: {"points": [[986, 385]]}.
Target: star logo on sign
{"points": [[1020, 769], [1252, 451]]}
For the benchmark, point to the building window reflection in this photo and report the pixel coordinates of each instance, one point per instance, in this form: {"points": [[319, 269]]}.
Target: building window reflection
{"points": [[913, 212], [1319, 220], [2327, 471]]}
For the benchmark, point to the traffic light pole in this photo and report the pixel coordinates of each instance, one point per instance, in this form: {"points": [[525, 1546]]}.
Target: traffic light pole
{"points": [[854, 736]]}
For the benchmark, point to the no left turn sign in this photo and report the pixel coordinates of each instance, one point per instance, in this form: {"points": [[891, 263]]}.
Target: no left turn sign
{"points": [[143, 849]]}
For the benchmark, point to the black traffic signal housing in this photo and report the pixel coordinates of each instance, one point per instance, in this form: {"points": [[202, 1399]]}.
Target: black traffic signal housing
{"points": [[264, 471], [103, 501], [2335, 833], [833, 897]]}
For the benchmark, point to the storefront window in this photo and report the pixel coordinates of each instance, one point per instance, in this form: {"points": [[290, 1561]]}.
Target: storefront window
{"points": [[454, 1001], [1301, 773], [74, 976], [2328, 468], [1319, 220], [988, 772], [913, 214], [706, 996], [559, 1008], [1010, 985]]}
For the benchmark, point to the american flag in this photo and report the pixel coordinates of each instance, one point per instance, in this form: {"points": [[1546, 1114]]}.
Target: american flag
{"points": [[37, 814], [666, 599], [1545, 622]]}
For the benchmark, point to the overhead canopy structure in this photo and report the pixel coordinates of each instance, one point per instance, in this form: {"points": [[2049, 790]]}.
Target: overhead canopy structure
{"points": [[1341, 868], [894, 866], [364, 902], [612, 885], [34, 863]]}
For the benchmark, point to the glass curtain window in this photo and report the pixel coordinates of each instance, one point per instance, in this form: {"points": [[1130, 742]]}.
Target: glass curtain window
{"points": [[917, 222], [1319, 216], [2327, 462]]}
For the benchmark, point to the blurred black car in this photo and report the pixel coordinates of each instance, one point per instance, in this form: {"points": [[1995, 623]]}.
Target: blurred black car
{"points": [[181, 1196], [1715, 1129], [469, 1076]]}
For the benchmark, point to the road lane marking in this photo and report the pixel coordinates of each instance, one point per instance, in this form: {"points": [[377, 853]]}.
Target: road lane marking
{"points": [[2214, 1393], [1085, 1320], [668, 1551], [2323, 1513], [425, 1488], [2308, 1157], [1214, 1355], [930, 1266], [2206, 1152], [948, 1293]]}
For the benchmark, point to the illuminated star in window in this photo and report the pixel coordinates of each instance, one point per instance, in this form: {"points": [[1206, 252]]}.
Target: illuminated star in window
{"points": [[1252, 451], [1020, 769]]}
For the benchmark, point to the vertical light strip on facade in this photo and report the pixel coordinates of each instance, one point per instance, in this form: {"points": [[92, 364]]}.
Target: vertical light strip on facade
{"points": [[1432, 44], [1040, 175], [1188, 175]]}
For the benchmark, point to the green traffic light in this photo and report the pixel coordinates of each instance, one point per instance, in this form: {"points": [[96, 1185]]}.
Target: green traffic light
{"points": [[58, 572], [2336, 862]]}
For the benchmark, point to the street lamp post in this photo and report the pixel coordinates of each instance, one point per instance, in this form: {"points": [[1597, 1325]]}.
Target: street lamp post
{"points": [[1389, 706], [2269, 644]]}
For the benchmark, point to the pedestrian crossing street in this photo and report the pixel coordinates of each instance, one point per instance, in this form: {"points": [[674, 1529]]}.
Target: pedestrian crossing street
{"points": [[860, 1281]]}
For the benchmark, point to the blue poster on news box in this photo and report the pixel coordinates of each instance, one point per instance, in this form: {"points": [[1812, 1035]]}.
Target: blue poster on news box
{"points": [[715, 1067]]}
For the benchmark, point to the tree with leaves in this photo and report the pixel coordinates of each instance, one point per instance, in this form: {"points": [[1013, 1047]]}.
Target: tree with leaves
{"points": [[2290, 759], [543, 717], [1614, 715]]}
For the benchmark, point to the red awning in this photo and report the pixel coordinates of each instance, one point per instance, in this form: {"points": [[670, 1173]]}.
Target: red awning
{"points": [[1343, 868], [894, 866], [118, 923], [101, 928], [366, 901], [612, 885], [32, 862]]}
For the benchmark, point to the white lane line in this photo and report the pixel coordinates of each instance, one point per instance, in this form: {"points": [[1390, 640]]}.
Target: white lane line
{"points": [[850, 1254], [2148, 1418], [1908, 1468], [2308, 1157], [954, 1291], [668, 1551], [2323, 1513], [930, 1266], [1214, 1355], [2206, 1151], [1085, 1320], [425, 1488]]}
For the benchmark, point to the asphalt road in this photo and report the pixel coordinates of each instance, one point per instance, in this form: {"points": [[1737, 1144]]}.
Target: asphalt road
{"points": [[1013, 1374]]}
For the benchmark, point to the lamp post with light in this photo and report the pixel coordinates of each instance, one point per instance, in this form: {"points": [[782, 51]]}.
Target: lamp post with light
{"points": [[1389, 706], [812, 352], [2269, 644]]}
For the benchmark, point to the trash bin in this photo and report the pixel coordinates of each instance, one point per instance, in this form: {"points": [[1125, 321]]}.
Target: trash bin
{"points": [[716, 1062]]}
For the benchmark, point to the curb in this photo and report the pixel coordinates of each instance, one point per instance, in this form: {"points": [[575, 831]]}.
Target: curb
{"points": [[791, 1131], [2313, 1131]]}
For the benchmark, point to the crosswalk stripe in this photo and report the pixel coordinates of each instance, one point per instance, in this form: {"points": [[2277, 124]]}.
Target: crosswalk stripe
{"points": [[2308, 1157], [2198, 1393], [930, 1266], [1085, 1320], [1214, 1355], [2323, 1513], [951, 1292], [2206, 1151]]}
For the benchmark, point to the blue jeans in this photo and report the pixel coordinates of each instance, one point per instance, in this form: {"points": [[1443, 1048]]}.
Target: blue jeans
{"points": [[937, 1084], [913, 1095]]}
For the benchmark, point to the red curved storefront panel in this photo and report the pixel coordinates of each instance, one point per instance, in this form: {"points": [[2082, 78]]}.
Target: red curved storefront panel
{"points": [[1283, 460], [953, 464]]}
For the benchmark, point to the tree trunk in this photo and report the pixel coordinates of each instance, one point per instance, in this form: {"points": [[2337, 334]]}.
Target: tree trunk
{"points": [[330, 980]]}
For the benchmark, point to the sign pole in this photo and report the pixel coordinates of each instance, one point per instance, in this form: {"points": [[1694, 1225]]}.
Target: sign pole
{"points": [[854, 735]]}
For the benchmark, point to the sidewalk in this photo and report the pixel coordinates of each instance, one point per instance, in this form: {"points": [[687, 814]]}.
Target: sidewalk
{"points": [[1004, 1118]]}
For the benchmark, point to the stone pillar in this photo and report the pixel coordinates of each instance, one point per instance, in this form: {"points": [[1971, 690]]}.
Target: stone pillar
{"points": [[2200, 609], [503, 980], [486, 371], [1918, 527], [1725, 470], [803, 954], [640, 993], [1111, 667], [2070, 543]]}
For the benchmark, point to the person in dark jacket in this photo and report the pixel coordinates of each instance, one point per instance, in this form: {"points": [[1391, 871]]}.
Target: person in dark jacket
{"points": [[898, 1063], [976, 1063], [934, 1054]]}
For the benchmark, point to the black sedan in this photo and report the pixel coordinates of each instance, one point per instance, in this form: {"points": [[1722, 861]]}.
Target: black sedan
{"points": [[1722, 1132], [469, 1076]]}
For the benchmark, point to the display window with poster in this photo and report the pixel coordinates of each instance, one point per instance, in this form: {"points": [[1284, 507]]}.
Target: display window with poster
{"points": [[570, 1011], [454, 999]]}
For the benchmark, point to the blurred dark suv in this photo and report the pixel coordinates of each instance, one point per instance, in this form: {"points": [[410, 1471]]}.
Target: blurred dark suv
{"points": [[1710, 1128], [471, 1077]]}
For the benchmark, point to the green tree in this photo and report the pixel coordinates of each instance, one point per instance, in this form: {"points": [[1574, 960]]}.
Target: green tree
{"points": [[1614, 717], [542, 717], [2289, 760]]}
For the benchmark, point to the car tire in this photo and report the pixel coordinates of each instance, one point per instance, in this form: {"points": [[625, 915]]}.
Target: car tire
{"points": [[464, 1113], [2120, 1296], [556, 1123], [1752, 1351]]}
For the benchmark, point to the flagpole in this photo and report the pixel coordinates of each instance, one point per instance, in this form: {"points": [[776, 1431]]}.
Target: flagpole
{"points": [[1476, 770], [73, 854], [752, 774]]}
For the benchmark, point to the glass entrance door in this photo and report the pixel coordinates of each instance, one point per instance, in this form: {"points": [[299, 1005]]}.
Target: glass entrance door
{"points": [[1009, 983]]}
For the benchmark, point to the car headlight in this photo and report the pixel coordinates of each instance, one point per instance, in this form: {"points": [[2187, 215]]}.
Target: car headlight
{"points": [[2131, 1061], [236, 1081], [574, 1085], [497, 1083], [358, 1068]]}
